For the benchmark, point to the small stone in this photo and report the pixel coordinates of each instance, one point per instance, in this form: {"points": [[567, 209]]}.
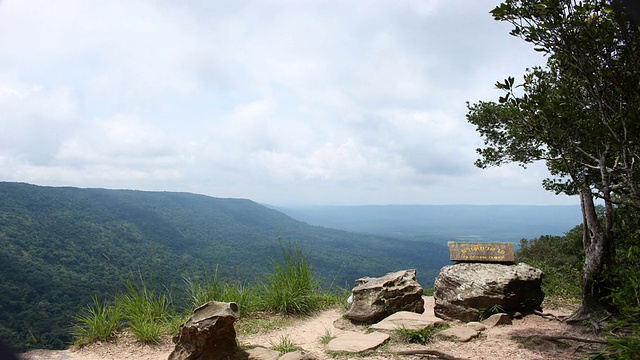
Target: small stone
{"points": [[517, 315]]}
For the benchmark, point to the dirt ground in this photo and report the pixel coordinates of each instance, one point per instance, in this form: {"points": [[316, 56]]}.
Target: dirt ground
{"points": [[517, 341]]}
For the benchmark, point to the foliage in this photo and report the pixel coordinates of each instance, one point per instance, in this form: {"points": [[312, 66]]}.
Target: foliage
{"points": [[562, 270], [579, 114], [429, 291], [61, 246], [621, 347], [486, 313], [96, 323], [421, 336]]}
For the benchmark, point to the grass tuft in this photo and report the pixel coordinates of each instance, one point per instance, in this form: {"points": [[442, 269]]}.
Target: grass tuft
{"points": [[146, 313], [327, 337], [96, 323], [285, 345], [486, 313], [292, 288], [420, 336]]}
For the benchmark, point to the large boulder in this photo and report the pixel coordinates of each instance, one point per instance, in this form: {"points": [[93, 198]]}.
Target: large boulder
{"points": [[373, 299], [209, 334], [463, 291]]}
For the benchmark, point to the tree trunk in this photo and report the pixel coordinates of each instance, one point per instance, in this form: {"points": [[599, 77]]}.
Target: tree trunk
{"points": [[596, 248]]}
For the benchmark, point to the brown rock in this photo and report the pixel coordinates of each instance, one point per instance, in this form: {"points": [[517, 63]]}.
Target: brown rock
{"points": [[357, 342], [407, 320], [209, 334], [376, 298], [260, 353], [460, 333], [497, 319], [297, 355], [463, 290]]}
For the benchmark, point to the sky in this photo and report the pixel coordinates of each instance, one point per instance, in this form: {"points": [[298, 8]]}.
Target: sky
{"points": [[281, 102]]}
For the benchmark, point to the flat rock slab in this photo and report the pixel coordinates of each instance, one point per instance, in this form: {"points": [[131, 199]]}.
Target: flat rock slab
{"points": [[407, 320], [260, 353], [356, 342], [297, 355], [458, 333]]}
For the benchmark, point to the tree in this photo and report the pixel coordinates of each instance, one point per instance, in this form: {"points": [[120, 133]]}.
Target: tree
{"points": [[580, 114]]}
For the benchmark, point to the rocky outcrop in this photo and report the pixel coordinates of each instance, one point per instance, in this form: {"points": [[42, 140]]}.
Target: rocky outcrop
{"points": [[373, 299], [464, 290], [209, 334]]}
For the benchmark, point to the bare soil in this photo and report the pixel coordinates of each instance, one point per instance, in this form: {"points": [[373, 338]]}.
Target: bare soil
{"points": [[521, 340]]}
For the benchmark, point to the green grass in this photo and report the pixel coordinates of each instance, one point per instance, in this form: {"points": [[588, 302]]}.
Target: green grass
{"points": [[96, 323], [420, 336], [217, 290], [285, 345], [327, 337], [486, 313], [146, 313], [290, 289]]}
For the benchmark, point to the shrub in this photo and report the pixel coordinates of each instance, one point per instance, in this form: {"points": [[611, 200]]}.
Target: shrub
{"points": [[560, 258]]}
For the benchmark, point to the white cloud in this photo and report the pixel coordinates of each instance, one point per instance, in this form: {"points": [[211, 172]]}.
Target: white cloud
{"points": [[318, 101]]}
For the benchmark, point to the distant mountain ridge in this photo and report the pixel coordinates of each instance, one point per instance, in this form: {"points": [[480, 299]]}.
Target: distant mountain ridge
{"points": [[61, 245], [442, 223]]}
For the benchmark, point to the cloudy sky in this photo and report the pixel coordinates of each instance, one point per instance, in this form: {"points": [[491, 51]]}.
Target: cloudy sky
{"points": [[281, 102]]}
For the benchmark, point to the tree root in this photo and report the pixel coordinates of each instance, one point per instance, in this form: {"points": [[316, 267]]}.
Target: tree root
{"points": [[558, 318], [560, 337], [437, 354]]}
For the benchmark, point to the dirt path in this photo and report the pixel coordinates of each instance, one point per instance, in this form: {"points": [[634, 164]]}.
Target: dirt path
{"points": [[516, 341]]}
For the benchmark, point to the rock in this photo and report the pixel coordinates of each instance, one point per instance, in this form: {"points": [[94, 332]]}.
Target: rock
{"points": [[297, 355], [408, 320], [209, 334], [476, 326], [517, 315], [460, 333], [357, 342], [376, 298], [260, 353], [497, 319], [463, 290]]}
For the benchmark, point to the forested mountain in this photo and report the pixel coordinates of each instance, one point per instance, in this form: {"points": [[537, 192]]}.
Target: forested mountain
{"points": [[442, 223], [60, 246]]}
